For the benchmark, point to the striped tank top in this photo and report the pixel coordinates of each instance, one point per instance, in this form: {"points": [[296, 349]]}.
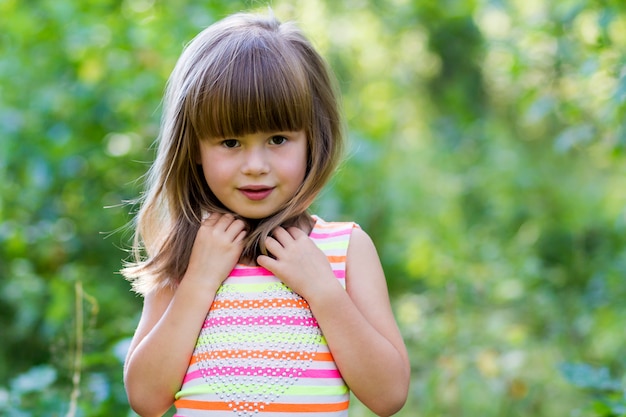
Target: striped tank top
{"points": [[261, 351]]}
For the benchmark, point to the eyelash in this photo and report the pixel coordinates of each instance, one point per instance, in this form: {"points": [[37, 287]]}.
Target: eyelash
{"points": [[281, 138], [232, 143], [227, 142]]}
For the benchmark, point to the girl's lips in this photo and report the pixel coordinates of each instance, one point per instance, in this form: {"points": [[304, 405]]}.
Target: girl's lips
{"points": [[256, 193]]}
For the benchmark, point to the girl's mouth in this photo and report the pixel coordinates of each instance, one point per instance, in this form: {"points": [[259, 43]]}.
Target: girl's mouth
{"points": [[256, 193]]}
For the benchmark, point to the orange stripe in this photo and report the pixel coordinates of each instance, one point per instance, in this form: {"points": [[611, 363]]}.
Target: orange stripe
{"points": [[201, 405], [336, 259], [331, 225], [272, 407], [319, 357]]}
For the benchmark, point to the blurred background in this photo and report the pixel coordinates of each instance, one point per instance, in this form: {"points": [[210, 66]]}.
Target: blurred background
{"points": [[487, 161]]}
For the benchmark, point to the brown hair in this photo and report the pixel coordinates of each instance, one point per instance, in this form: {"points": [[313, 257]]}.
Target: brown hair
{"points": [[244, 74]]}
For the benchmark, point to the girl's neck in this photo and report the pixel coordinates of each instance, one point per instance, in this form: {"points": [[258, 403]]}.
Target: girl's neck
{"points": [[304, 222]]}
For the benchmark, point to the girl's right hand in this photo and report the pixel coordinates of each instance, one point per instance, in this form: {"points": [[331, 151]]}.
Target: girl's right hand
{"points": [[216, 249], [172, 318]]}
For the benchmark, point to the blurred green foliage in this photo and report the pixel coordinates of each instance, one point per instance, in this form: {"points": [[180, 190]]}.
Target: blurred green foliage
{"points": [[607, 392], [487, 161]]}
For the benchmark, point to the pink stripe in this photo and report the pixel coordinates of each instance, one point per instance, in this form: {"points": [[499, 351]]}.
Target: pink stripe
{"points": [[260, 321], [258, 271], [258, 371], [322, 235], [243, 271]]}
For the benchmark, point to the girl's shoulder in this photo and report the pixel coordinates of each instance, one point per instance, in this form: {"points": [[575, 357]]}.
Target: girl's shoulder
{"points": [[339, 234], [324, 227]]}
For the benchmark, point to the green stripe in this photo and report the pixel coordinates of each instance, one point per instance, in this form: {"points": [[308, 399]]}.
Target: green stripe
{"points": [[332, 245], [251, 288], [312, 390], [260, 338]]}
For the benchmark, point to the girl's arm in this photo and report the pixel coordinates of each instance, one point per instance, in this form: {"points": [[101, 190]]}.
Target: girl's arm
{"points": [[358, 323], [162, 346], [171, 320]]}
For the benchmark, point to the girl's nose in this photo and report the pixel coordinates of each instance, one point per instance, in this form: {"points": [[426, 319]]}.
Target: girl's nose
{"points": [[255, 162]]}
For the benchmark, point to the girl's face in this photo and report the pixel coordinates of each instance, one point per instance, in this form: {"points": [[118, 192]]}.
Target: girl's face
{"points": [[254, 175]]}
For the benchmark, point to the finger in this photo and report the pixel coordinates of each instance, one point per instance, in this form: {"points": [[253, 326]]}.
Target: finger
{"points": [[238, 234], [236, 226], [266, 262], [296, 232], [241, 236], [225, 220], [273, 245], [221, 221], [210, 219], [214, 218], [275, 249], [281, 235]]}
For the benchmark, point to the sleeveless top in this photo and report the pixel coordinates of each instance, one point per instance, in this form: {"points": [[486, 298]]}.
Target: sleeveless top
{"points": [[261, 351]]}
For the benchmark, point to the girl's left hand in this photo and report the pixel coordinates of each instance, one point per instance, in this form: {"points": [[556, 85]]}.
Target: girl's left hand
{"points": [[297, 261]]}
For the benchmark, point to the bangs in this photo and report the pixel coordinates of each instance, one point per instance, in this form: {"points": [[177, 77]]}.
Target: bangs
{"points": [[256, 86]]}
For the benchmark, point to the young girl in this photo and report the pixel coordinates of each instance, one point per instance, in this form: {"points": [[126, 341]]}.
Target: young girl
{"points": [[252, 305]]}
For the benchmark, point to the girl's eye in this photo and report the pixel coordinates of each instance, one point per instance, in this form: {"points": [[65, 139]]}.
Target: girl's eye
{"points": [[230, 143], [278, 140]]}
